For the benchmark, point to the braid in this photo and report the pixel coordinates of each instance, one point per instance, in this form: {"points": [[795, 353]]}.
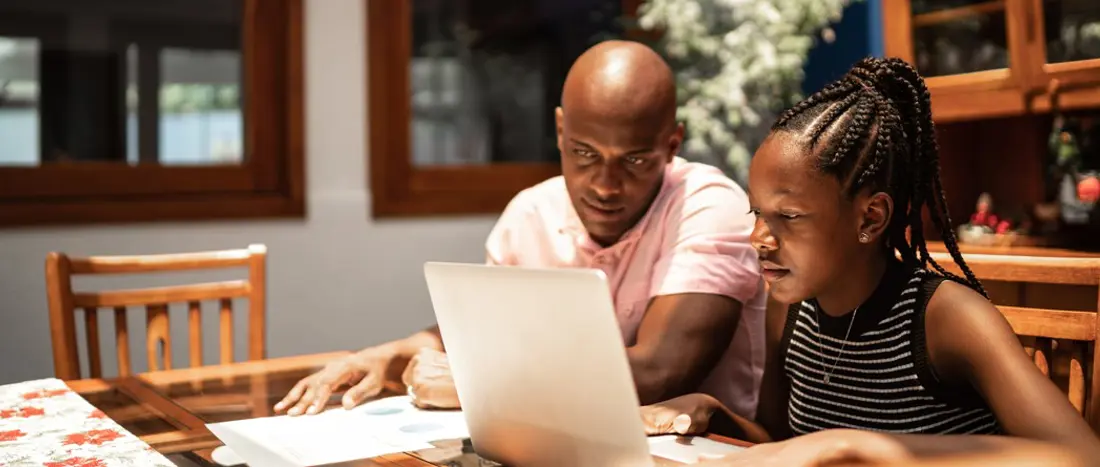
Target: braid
{"points": [[830, 116], [829, 93], [930, 184], [855, 137], [873, 129]]}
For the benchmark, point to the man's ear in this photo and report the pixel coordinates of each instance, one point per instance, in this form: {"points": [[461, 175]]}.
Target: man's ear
{"points": [[676, 141], [876, 210], [559, 121]]}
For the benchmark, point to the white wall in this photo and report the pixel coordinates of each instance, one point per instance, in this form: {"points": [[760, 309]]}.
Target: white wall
{"points": [[337, 280]]}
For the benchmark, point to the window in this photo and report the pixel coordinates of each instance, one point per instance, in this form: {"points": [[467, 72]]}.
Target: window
{"points": [[121, 110], [462, 96]]}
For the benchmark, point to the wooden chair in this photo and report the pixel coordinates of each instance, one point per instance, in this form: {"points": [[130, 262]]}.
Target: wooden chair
{"points": [[1062, 342], [64, 302]]}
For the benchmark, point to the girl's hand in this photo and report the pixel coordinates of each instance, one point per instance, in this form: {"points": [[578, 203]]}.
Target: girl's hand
{"points": [[685, 415], [824, 448]]}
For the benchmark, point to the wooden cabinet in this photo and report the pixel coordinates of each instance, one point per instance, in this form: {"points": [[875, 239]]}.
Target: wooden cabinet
{"points": [[999, 58]]}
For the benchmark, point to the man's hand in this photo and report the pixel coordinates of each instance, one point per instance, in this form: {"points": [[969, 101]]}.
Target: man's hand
{"points": [[428, 378], [364, 372], [685, 415]]}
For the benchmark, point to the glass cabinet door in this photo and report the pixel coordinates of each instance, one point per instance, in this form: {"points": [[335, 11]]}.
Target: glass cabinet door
{"points": [[952, 37], [1072, 30]]}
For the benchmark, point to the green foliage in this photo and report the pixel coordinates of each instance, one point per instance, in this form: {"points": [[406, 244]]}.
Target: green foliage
{"points": [[737, 64], [186, 98]]}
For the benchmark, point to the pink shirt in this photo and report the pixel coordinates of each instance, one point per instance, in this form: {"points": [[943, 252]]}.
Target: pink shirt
{"points": [[693, 239]]}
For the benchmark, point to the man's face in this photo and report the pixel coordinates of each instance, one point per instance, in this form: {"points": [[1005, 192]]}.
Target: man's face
{"points": [[613, 168]]}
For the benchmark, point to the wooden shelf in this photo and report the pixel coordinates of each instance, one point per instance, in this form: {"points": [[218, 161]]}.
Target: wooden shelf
{"points": [[1014, 251], [953, 14]]}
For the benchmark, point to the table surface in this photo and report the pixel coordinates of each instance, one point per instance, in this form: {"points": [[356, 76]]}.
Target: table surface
{"points": [[169, 410]]}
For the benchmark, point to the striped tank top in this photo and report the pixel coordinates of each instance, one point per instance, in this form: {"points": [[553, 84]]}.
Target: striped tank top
{"points": [[883, 380]]}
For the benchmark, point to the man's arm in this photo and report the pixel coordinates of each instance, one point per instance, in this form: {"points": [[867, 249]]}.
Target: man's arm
{"points": [[706, 273], [679, 341]]}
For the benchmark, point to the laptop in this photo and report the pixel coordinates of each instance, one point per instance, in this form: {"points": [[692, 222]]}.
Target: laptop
{"points": [[541, 370], [539, 365]]}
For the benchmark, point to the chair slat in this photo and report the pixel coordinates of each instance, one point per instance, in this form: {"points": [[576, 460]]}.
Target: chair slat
{"points": [[195, 319], [226, 331], [122, 341], [1042, 356], [1092, 402], [1076, 389], [1034, 269], [257, 303], [1056, 324], [91, 337], [182, 293], [157, 332]]}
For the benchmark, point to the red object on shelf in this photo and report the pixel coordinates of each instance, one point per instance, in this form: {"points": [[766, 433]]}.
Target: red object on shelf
{"points": [[1088, 190]]}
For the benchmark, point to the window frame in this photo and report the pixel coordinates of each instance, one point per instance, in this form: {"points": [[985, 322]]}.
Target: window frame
{"points": [[269, 183], [398, 187]]}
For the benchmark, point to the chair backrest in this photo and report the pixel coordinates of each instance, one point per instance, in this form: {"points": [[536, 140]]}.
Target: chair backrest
{"points": [[1061, 342], [64, 303]]}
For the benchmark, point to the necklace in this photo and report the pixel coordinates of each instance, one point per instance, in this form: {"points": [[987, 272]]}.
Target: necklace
{"points": [[829, 371]]}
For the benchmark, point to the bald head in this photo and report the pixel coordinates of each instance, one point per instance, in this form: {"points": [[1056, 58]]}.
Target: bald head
{"points": [[617, 132], [621, 81]]}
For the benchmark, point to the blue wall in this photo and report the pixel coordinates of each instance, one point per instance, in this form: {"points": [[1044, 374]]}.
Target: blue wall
{"points": [[858, 35]]}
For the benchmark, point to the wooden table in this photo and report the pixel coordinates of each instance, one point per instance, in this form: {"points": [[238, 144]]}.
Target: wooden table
{"points": [[169, 410]]}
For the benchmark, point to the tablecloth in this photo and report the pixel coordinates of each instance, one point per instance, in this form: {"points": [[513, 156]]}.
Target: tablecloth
{"points": [[45, 424]]}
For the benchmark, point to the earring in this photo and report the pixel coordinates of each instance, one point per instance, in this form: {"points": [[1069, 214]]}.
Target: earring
{"points": [[864, 237]]}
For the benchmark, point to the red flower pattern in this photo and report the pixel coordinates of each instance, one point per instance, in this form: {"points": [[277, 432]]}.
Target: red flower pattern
{"points": [[23, 412], [63, 430], [11, 435], [44, 394], [77, 462], [96, 437]]}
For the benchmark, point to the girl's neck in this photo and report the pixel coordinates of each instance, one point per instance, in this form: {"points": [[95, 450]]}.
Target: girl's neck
{"points": [[855, 287]]}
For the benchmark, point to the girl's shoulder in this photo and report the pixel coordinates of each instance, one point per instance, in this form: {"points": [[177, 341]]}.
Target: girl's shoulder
{"points": [[955, 317]]}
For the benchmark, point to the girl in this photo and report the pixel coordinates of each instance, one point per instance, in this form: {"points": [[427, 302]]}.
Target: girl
{"points": [[868, 352]]}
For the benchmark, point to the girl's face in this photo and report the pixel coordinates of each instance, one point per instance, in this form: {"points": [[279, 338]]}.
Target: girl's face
{"points": [[807, 231]]}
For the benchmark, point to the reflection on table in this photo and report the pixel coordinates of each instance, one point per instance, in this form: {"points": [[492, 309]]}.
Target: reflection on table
{"points": [[169, 409]]}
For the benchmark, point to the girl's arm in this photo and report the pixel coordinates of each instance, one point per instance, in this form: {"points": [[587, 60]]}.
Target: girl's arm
{"points": [[971, 343], [865, 448]]}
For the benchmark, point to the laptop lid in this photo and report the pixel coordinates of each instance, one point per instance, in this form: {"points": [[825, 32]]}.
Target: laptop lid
{"points": [[539, 365]]}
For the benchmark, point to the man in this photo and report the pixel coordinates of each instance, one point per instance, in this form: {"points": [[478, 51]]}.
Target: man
{"points": [[671, 236]]}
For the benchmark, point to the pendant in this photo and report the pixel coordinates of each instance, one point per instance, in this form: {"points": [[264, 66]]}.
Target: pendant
{"points": [[826, 379]]}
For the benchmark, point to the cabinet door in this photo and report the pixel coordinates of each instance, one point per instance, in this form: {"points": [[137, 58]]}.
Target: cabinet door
{"points": [[1067, 49], [969, 51]]}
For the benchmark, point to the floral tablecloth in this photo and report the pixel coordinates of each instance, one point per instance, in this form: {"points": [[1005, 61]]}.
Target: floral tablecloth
{"points": [[45, 424]]}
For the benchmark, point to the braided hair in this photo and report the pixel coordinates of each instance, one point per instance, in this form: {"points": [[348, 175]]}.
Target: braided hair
{"points": [[873, 130]]}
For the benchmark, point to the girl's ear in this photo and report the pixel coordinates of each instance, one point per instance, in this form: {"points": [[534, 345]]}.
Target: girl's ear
{"points": [[875, 212]]}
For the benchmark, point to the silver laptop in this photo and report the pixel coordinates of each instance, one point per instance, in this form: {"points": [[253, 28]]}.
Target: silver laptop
{"points": [[539, 365]]}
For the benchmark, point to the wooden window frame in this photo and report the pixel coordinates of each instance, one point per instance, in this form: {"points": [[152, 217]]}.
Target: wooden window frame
{"points": [[1020, 89], [269, 183], [398, 187]]}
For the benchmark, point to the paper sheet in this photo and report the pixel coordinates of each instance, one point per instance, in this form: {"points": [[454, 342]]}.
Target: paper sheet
{"points": [[380, 427], [689, 449]]}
